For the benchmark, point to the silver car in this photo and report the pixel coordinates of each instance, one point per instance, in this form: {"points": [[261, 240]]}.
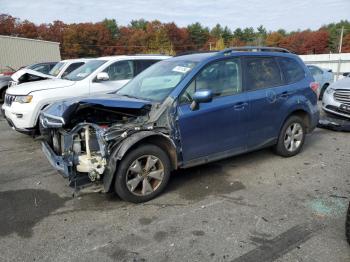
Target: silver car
{"points": [[336, 98], [322, 76]]}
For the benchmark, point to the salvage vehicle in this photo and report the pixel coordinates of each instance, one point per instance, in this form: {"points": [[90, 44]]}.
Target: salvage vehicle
{"points": [[24, 102], [336, 99], [323, 76], [6, 78], [43, 71], [182, 112]]}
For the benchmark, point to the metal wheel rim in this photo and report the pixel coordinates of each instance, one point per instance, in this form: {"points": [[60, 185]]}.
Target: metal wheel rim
{"points": [[293, 137], [145, 175]]}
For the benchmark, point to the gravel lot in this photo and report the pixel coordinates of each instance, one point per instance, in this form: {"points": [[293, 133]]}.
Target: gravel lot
{"points": [[255, 207]]}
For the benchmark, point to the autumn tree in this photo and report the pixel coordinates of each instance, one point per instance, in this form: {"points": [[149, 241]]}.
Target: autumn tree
{"points": [[7, 24], [141, 36], [273, 39]]}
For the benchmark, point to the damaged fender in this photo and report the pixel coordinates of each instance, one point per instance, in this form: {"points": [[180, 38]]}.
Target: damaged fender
{"points": [[121, 149]]}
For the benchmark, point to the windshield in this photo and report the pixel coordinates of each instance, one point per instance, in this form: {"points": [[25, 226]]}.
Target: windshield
{"points": [[56, 69], [85, 70], [156, 82]]}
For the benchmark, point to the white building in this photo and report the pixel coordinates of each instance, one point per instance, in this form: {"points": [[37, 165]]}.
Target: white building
{"points": [[17, 52]]}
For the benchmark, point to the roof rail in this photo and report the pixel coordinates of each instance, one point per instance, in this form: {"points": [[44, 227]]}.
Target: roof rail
{"points": [[195, 52], [148, 54], [255, 49]]}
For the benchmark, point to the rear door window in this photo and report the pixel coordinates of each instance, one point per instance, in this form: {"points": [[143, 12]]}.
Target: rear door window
{"points": [[121, 70], [141, 65], [292, 70], [72, 67], [262, 72]]}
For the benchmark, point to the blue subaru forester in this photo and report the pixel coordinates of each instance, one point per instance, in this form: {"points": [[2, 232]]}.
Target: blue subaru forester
{"points": [[182, 112]]}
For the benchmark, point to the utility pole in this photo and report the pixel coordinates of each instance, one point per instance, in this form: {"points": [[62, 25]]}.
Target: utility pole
{"points": [[340, 45], [341, 39]]}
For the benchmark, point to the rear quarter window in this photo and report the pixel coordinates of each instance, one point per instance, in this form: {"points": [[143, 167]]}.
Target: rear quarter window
{"points": [[262, 72], [292, 70]]}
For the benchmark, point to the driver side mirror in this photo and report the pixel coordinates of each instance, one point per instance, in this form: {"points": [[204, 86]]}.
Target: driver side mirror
{"points": [[202, 96], [102, 76]]}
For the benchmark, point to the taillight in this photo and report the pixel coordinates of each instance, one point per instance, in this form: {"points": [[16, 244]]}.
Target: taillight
{"points": [[314, 86]]}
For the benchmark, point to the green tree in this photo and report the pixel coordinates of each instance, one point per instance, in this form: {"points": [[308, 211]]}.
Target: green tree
{"points": [[227, 34], [112, 26], [198, 34], [139, 24], [217, 31]]}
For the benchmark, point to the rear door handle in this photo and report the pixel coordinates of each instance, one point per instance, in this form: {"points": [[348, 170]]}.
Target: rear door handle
{"points": [[284, 94], [240, 106]]}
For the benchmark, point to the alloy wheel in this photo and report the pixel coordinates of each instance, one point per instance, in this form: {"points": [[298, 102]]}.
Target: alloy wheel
{"points": [[293, 137], [145, 175]]}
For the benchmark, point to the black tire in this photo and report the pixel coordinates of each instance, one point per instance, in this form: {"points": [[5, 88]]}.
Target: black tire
{"points": [[280, 148], [323, 89], [121, 185], [2, 93], [347, 225]]}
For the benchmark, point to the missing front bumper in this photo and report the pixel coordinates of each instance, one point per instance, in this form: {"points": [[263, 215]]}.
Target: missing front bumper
{"points": [[57, 162]]}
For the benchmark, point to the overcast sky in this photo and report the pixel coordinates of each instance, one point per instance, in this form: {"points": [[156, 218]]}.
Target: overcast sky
{"points": [[273, 14]]}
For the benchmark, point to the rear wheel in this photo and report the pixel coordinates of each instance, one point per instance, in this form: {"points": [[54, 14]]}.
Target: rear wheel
{"points": [[142, 174], [291, 137]]}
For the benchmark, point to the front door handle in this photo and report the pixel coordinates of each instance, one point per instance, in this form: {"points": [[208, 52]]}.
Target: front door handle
{"points": [[240, 106]]}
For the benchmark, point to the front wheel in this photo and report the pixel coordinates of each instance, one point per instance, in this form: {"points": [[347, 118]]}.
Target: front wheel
{"points": [[142, 174], [291, 137]]}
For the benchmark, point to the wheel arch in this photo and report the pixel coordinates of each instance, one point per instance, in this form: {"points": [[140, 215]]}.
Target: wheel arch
{"points": [[144, 137], [304, 115], [155, 138]]}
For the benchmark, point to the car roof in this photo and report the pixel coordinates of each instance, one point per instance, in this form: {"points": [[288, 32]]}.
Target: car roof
{"points": [[76, 60], [135, 57], [196, 57]]}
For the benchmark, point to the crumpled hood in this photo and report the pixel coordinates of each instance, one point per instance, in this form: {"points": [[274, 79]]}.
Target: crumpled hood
{"points": [[30, 87], [23, 71], [67, 109], [343, 83]]}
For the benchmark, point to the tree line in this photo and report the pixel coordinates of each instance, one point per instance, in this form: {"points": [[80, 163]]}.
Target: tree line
{"points": [[141, 36]]}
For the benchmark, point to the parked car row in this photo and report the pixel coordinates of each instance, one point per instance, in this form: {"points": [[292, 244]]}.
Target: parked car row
{"points": [[69, 78]]}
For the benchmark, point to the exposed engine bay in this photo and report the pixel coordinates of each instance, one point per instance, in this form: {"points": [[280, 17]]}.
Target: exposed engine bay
{"points": [[85, 139]]}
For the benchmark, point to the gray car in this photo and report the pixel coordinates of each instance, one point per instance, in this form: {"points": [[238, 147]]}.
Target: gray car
{"points": [[4, 80], [336, 98], [322, 76]]}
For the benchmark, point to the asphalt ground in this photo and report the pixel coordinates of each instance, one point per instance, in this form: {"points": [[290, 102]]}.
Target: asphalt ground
{"points": [[254, 207]]}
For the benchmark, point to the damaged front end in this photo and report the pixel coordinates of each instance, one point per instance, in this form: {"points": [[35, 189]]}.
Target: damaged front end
{"points": [[84, 139]]}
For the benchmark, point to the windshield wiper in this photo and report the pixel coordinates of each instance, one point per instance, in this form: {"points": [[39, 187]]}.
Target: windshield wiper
{"points": [[130, 96]]}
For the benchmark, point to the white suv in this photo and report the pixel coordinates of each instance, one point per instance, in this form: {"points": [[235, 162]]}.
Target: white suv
{"points": [[24, 102]]}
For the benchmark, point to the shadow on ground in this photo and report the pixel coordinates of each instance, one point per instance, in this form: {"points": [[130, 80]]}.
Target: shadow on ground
{"points": [[22, 209]]}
